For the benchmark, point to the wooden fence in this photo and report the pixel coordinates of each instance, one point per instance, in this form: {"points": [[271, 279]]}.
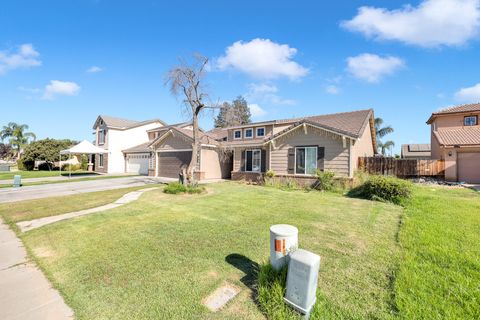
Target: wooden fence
{"points": [[402, 167]]}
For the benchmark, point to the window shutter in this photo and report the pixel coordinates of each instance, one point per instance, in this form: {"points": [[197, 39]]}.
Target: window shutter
{"points": [[291, 161], [264, 161], [321, 158], [242, 161]]}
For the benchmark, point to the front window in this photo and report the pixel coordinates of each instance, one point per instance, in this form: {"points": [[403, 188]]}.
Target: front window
{"points": [[237, 134], [305, 160], [248, 133], [101, 136], [253, 160], [100, 160], [470, 121], [260, 132]]}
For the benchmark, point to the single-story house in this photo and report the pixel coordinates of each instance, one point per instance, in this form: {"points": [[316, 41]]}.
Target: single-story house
{"points": [[455, 138], [416, 151], [293, 148]]}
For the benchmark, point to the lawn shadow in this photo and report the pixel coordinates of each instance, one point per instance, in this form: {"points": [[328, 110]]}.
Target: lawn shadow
{"points": [[248, 267]]}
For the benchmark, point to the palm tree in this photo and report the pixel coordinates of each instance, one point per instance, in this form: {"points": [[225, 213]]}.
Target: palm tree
{"points": [[17, 136], [382, 132]]}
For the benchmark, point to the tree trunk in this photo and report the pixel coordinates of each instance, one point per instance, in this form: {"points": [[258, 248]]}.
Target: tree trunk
{"points": [[195, 149]]}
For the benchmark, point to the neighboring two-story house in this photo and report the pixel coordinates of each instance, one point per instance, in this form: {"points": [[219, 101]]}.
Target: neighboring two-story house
{"points": [[115, 135], [455, 138], [293, 148]]}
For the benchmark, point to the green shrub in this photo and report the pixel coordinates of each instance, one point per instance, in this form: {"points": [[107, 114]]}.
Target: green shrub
{"points": [[270, 174], [325, 180], [28, 165], [73, 167], [176, 188], [384, 188], [84, 162], [45, 166]]}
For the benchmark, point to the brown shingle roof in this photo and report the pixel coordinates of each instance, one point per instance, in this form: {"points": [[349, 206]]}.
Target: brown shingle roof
{"points": [[122, 123], [141, 148], [464, 108], [461, 137], [416, 150]]}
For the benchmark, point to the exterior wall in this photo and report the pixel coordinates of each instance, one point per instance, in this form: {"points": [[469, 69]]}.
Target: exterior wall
{"points": [[174, 142], [210, 164], [118, 140], [451, 167], [268, 131], [437, 152], [453, 121], [363, 147], [336, 155], [103, 169]]}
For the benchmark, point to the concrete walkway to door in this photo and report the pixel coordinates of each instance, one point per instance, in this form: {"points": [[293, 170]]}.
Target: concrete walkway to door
{"points": [[25, 292]]}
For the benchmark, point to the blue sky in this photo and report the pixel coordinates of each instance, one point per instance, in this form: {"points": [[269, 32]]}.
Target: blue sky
{"points": [[289, 58]]}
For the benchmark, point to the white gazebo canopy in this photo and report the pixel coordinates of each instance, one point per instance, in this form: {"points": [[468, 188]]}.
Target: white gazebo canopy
{"points": [[84, 147]]}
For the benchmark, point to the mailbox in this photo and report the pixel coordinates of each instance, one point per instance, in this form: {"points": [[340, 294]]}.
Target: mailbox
{"points": [[302, 280], [17, 181]]}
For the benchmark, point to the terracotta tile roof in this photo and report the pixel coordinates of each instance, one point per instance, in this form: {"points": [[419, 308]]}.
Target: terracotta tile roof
{"points": [[464, 108], [461, 108], [462, 136]]}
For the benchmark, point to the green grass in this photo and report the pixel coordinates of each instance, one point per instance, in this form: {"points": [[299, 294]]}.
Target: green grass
{"points": [[87, 178], [39, 208], [159, 257], [38, 174], [439, 277]]}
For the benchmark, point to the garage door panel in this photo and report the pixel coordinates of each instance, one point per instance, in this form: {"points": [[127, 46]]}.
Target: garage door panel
{"points": [[138, 163], [468, 164], [170, 163]]}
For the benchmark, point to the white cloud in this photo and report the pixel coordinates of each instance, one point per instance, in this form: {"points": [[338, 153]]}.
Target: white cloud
{"points": [[94, 69], [469, 94], [371, 67], [256, 110], [432, 23], [29, 90], [25, 57], [266, 93], [262, 58], [331, 89], [57, 88]]}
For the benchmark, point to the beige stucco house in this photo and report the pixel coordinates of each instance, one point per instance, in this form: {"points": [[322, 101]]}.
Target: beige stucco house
{"points": [[293, 148], [455, 138]]}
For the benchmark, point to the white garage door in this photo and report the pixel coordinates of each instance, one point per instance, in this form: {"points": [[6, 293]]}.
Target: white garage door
{"points": [[469, 167], [138, 163]]}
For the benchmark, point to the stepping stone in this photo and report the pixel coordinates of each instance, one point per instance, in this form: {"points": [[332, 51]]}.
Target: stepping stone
{"points": [[221, 297]]}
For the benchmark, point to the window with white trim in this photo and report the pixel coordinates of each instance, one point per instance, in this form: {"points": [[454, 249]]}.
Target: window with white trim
{"points": [[253, 160], [470, 121], [237, 134], [305, 160], [101, 136], [261, 132], [100, 160], [248, 133]]}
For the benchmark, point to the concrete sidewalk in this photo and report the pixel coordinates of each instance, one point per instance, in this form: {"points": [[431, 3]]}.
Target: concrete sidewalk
{"points": [[25, 292]]}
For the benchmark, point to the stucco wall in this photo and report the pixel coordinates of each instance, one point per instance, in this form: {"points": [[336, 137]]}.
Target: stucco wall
{"points": [[363, 147], [210, 164], [453, 121]]}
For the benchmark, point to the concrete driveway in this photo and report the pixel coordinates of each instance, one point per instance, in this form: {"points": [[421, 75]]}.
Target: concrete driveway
{"points": [[69, 188]]}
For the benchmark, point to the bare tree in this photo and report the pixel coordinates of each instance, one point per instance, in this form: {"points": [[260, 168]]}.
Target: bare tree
{"points": [[186, 80]]}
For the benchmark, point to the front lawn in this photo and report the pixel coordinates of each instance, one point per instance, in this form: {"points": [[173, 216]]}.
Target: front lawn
{"points": [[159, 257], [13, 212], [439, 277], [39, 174]]}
